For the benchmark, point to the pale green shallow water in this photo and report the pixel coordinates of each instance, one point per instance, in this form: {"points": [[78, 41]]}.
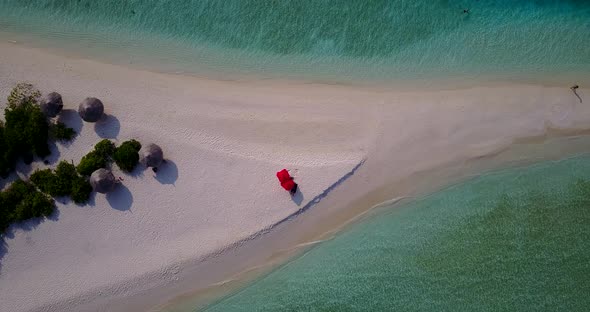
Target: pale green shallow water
{"points": [[335, 40], [515, 240]]}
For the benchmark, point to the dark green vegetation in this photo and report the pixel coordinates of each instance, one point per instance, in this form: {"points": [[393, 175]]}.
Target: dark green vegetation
{"points": [[23, 93], [127, 155], [515, 240], [21, 201], [5, 165], [59, 131], [25, 132], [105, 148], [65, 181], [24, 135], [98, 158]]}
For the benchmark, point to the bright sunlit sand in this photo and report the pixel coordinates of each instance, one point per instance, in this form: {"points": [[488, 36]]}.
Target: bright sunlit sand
{"points": [[224, 142]]}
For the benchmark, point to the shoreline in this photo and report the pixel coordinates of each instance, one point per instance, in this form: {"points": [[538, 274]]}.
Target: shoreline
{"points": [[411, 81], [288, 243], [329, 129], [352, 214]]}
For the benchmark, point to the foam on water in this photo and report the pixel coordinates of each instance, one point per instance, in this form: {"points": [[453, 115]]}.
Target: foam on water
{"points": [[332, 39], [515, 240]]}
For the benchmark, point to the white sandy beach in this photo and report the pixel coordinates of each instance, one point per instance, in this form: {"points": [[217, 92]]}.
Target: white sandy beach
{"points": [[224, 141]]}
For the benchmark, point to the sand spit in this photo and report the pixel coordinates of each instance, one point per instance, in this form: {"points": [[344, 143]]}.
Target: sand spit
{"points": [[224, 141]]}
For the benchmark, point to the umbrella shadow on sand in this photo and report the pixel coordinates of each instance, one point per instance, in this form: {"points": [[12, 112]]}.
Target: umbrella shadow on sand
{"points": [[298, 197], [108, 127], [167, 173], [120, 198], [71, 119]]}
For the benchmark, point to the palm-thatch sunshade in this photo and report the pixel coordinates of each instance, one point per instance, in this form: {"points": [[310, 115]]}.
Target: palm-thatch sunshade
{"points": [[151, 155], [91, 109], [103, 181], [51, 104]]}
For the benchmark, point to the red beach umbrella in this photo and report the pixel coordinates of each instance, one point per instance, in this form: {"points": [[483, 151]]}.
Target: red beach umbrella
{"points": [[286, 179]]}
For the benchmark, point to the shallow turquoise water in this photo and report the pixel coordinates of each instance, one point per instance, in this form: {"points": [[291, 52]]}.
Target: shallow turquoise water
{"points": [[515, 240], [334, 39]]}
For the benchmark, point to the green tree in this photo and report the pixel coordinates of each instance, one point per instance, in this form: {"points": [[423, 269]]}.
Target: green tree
{"points": [[64, 182], [21, 201], [5, 165], [4, 215], [90, 163], [23, 93], [44, 180], [98, 158], [34, 205], [59, 131], [127, 155], [65, 174], [105, 148], [25, 132], [81, 190]]}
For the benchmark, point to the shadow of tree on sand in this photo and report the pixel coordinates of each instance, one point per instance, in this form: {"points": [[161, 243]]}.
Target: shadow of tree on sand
{"points": [[55, 153], [27, 225], [3, 251]]}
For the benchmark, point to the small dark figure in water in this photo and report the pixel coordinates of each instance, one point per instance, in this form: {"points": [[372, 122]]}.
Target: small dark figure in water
{"points": [[465, 11], [155, 169], [574, 88]]}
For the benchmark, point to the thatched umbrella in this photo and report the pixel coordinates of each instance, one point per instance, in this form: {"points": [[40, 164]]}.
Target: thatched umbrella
{"points": [[103, 181], [91, 109], [52, 104], [151, 155]]}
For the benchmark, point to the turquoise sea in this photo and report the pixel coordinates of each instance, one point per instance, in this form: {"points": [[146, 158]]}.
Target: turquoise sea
{"points": [[335, 40], [514, 240]]}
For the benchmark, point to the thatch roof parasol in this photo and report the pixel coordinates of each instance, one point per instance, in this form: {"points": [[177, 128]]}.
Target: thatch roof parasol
{"points": [[103, 181], [151, 155], [51, 104], [91, 109]]}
